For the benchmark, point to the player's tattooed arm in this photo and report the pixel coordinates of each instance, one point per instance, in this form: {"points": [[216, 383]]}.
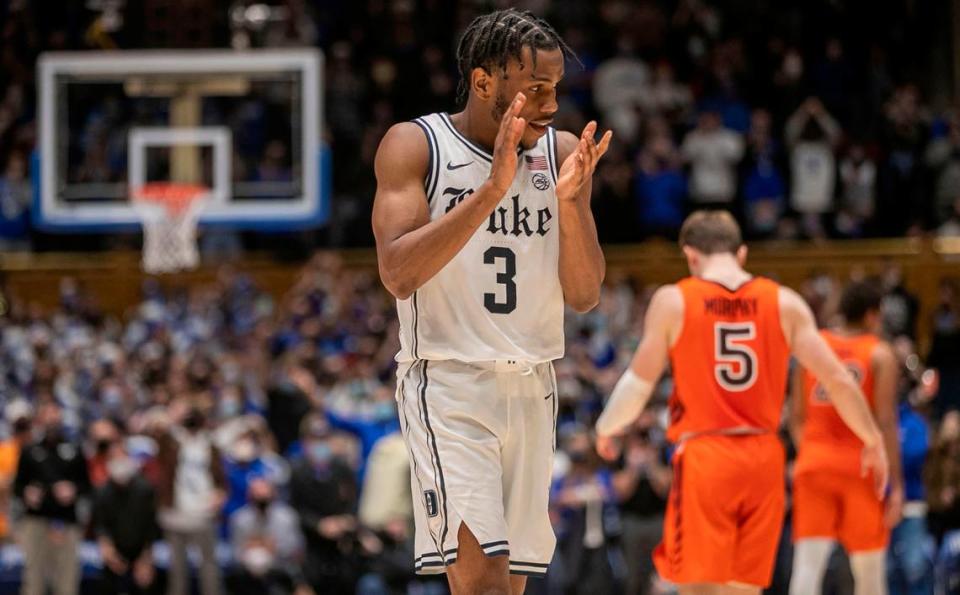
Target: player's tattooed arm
{"points": [[582, 266], [411, 248]]}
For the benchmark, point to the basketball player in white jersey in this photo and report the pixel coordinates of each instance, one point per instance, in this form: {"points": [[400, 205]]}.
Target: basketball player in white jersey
{"points": [[484, 231]]}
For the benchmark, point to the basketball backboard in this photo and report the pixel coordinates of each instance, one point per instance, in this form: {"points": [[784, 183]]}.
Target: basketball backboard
{"points": [[244, 124]]}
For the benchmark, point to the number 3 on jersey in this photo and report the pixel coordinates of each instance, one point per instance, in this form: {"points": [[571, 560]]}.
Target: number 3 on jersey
{"points": [[505, 278], [736, 363]]}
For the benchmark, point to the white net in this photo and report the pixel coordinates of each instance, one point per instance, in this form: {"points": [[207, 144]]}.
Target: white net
{"points": [[169, 214]]}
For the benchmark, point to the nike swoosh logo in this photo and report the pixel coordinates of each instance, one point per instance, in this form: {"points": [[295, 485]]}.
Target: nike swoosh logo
{"points": [[451, 166], [548, 396]]}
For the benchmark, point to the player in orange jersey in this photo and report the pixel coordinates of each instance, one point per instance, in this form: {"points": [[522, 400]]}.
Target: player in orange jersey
{"points": [[728, 337], [832, 501]]}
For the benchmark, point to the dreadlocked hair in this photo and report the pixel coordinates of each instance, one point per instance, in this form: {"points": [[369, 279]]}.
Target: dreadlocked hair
{"points": [[491, 40]]}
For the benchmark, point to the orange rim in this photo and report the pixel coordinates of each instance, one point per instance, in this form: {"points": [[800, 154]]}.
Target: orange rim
{"points": [[176, 198]]}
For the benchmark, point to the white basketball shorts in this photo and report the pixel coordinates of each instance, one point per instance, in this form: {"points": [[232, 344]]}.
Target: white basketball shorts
{"points": [[481, 438]]}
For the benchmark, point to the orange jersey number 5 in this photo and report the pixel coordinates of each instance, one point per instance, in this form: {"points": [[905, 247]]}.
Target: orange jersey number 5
{"points": [[736, 363]]}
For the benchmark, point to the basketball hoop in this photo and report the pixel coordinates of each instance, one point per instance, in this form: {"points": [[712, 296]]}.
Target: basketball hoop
{"points": [[169, 212]]}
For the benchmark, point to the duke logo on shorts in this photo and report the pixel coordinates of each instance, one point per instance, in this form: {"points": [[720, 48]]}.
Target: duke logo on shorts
{"points": [[476, 389], [430, 503]]}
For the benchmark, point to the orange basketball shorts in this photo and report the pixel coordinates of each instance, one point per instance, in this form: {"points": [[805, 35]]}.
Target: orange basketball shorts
{"points": [[725, 511], [838, 506]]}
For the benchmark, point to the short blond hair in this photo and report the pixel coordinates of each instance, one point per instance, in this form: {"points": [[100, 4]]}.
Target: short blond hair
{"points": [[711, 232]]}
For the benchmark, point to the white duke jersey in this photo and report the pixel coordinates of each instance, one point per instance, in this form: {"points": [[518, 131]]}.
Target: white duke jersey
{"points": [[499, 298]]}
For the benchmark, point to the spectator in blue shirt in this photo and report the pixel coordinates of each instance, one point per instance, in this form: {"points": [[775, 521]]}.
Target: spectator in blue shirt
{"points": [[246, 461], [764, 190], [660, 187], [909, 566]]}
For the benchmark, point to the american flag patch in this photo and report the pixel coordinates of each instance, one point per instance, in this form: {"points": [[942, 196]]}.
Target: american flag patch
{"points": [[535, 162]]}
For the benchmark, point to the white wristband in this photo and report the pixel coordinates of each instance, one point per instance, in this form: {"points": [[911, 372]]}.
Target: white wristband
{"points": [[627, 400]]}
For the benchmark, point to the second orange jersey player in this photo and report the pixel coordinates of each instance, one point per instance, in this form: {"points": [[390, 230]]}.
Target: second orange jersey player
{"points": [[728, 337], [833, 502]]}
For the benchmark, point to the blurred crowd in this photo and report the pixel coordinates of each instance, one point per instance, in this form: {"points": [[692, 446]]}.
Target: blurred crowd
{"points": [[799, 117], [262, 436], [215, 435]]}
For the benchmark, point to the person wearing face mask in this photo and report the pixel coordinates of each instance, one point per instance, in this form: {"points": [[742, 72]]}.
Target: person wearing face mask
{"points": [[267, 545], [248, 446], [125, 524], [102, 435], [191, 494], [289, 400], [370, 426], [386, 509], [642, 484], [230, 405], [584, 502], [51, 478], [19, 417], [242, 465], [323, 491]]}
